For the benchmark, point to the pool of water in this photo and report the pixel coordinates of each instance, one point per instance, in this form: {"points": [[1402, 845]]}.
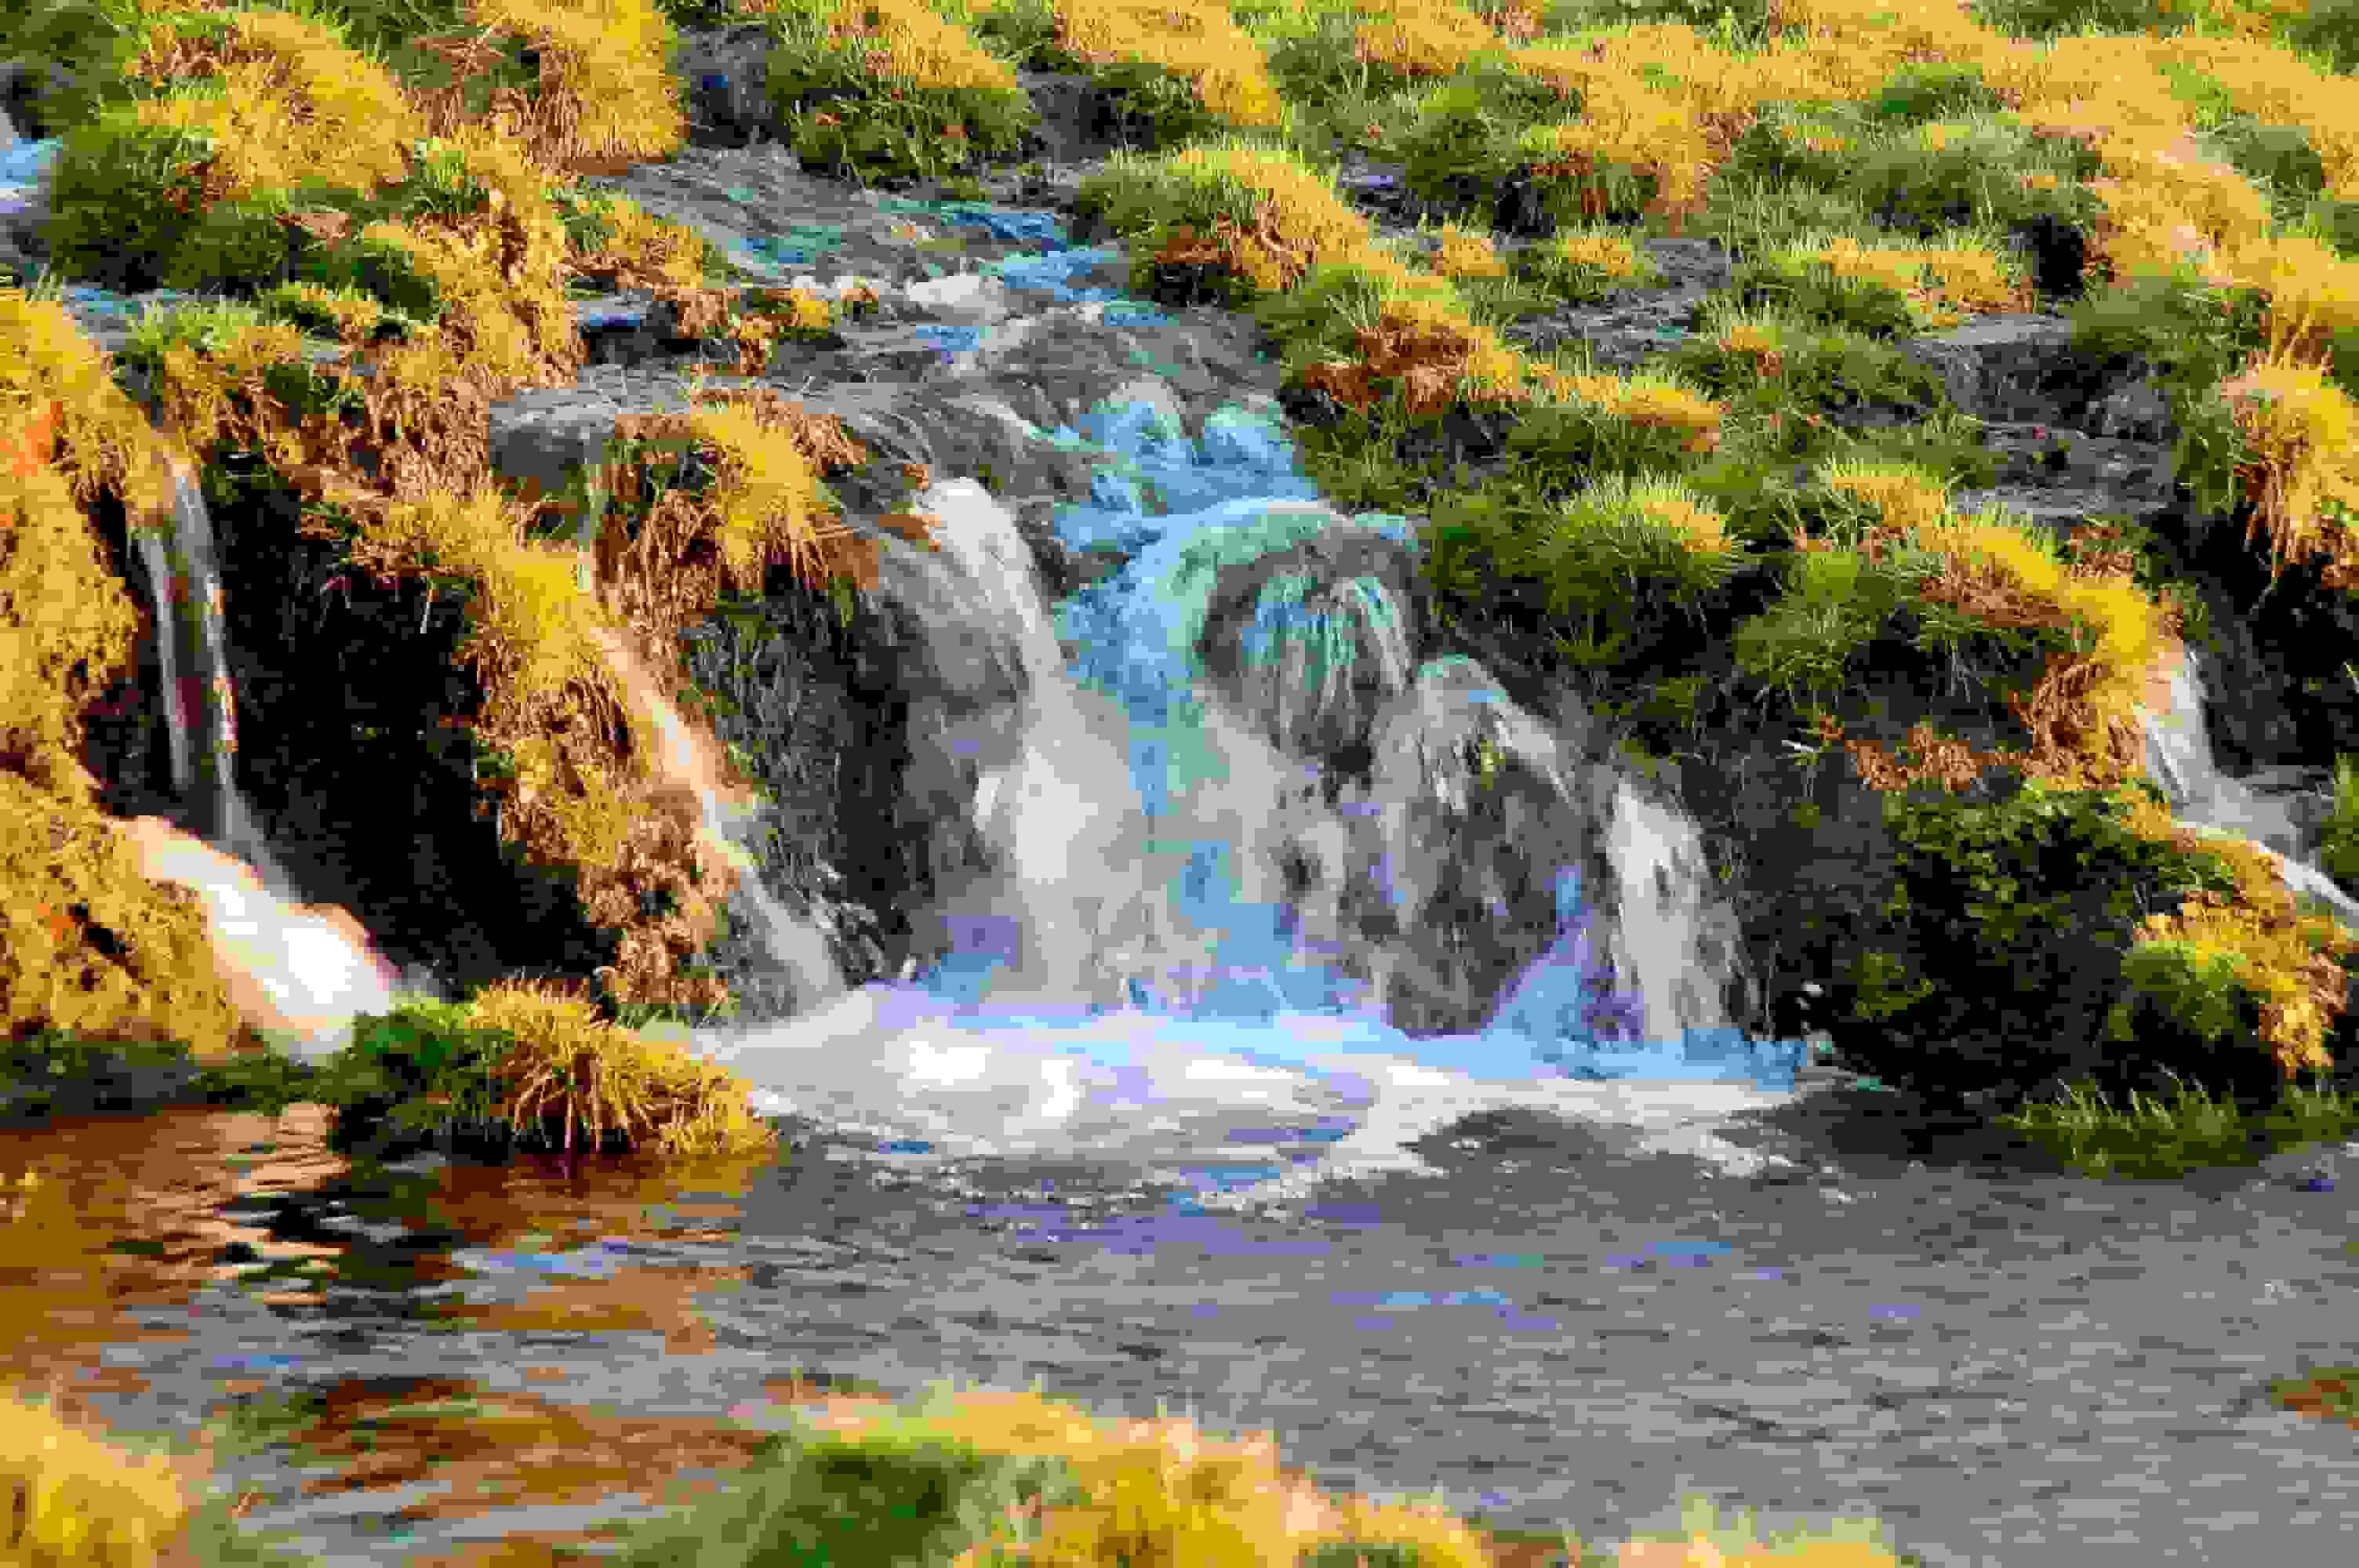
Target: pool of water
{"points": [[502, 1358]]}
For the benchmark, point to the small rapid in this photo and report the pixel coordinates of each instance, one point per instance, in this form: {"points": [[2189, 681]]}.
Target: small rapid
{"points": [[1133, 978], [1135, 970]]}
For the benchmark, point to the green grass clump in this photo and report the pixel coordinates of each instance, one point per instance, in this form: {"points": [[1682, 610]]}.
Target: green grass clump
{"points": [[955, 1478], [2156, 1140], [1093, 1493]]}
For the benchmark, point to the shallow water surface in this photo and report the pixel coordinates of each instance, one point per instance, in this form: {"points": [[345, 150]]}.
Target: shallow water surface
{"points": [[1548, 1326]]}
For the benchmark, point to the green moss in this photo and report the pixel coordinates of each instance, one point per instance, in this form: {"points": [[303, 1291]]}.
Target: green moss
{"points": [[386, 33], [1774, 358], [2185, 987], [1838, 601], [320, 311], [94, 40], [117, 197], [1581, 265], [240, 343], [2005, 952], [2050, 18], [823, 92], [2338, 851], [1465, 128], [1794, 340], [1923, 176], [1922, 91]]}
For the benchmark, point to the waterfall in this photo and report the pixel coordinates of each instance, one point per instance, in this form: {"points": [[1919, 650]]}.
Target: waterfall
{"points": [[155, 556], [312, 965], [681, 758], [301, 971], [2179, 755], [796, 944], [1141, 967], [2177, 750], [184, 585], [1128, 974], [1663, 878]]}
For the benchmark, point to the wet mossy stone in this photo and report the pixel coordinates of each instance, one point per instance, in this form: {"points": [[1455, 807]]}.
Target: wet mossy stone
{"points": [[2003, 950], [1317, 636]]}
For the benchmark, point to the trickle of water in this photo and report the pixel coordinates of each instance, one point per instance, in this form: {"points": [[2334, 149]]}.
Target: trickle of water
{"points": [[183, 568], [1130, 966], [1662, 878], [2179, 755], [156, 557], [682, 759], [2177, 750], [795, 944], [192, 646]]}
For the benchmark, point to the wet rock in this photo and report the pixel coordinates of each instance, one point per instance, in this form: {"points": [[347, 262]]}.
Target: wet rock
{"points": [[1316, 639], [25, 84], [721, 72]]}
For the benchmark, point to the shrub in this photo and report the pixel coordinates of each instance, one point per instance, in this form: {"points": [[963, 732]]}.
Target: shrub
{"points": [[2329, 30], [2006, 951], [421, 1070]]}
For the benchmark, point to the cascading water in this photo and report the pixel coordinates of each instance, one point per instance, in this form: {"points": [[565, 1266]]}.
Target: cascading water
{"points": [[1136, 968], [184, 587], [1132, 977], [2177, 750], [314, 964], [798, 947], [2179, 756], [1134, 972], [310, 968]]}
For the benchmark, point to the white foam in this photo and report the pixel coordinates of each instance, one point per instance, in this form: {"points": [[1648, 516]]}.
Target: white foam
{"points": [[1153, 1092]]}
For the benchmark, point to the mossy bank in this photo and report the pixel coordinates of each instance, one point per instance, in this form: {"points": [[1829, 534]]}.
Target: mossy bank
{"points": [[1737, 554]]}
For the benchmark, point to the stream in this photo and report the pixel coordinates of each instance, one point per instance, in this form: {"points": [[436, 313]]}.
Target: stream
{"points": [[1119, 1141], [1548, 1323]]}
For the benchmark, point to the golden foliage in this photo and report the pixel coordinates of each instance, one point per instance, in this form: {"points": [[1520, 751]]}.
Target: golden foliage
{"points": [[286, 87], [88, 945], [1420, 37], [2300, 429], [1197, 40], [84, 1502], [1658, 97], [590, 1078], [604, 93], [67, 625], [914, 44]]}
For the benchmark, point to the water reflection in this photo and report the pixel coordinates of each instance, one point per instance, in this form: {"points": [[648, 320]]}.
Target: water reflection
{"points": [[497, 1362], [163, 1269], [170, 1263], [130, 1212]]}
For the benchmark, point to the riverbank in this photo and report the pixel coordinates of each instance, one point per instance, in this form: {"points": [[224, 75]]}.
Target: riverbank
{"points": [[1579, 1326], [979, 1500], [1878, 1329]]}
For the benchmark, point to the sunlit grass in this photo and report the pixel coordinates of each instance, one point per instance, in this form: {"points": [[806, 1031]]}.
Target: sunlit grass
{"points": [[2156, 1139], [979, 1488], [87, 1460], [1343, 106]]}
